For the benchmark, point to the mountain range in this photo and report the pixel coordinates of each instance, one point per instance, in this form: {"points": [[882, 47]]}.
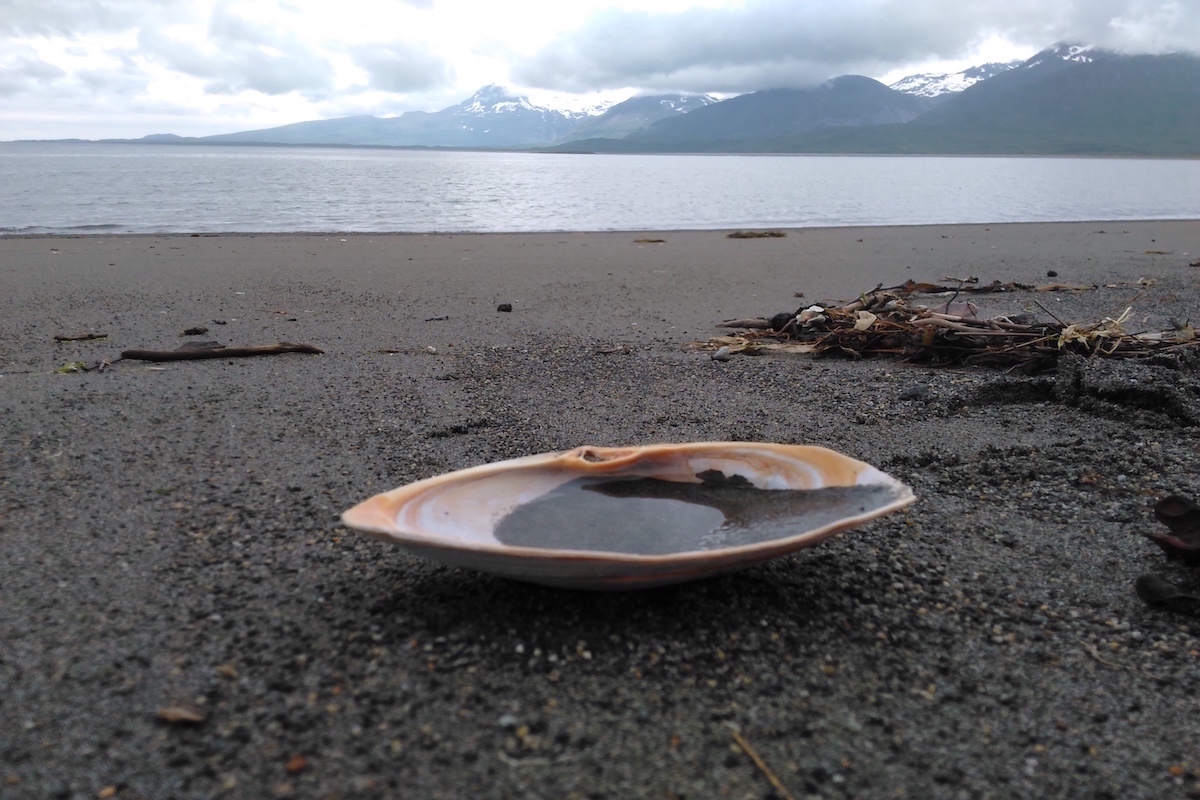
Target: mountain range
{"points": [[1067, 99], [491, 118]]}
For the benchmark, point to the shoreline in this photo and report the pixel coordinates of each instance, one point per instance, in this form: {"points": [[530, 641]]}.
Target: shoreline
{"points": [[788, 228], [170, 536]]}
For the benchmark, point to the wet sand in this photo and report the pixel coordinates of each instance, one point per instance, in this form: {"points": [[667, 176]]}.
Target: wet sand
{"points": [[169, 534]]}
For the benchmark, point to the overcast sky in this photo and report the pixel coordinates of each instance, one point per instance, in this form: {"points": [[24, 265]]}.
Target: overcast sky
{"points": [[126, 68]]}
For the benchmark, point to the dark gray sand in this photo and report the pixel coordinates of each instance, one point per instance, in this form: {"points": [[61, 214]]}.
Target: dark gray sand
{"points": [[169, 534]]}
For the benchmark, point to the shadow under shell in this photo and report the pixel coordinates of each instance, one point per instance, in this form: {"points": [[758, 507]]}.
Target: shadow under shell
{"points": [[649, 516]]}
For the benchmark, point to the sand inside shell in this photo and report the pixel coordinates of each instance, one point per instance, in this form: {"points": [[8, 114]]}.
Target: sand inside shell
{"points": [[648, 516]]}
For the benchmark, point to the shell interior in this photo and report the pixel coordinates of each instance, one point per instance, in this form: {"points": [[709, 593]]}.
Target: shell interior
{"points": [[654, 502]]}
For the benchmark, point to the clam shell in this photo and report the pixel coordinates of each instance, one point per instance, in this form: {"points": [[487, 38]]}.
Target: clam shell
{"points": [[632, 517]]}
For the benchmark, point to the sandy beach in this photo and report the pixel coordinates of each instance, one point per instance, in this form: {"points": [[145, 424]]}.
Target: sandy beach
{"points": [[170, 535]]}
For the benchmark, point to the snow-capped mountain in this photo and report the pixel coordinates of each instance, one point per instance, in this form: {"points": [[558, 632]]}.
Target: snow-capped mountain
{"points": [[1078, 53], [494, 99], [936, 85], [497, 117], [637, 113]]}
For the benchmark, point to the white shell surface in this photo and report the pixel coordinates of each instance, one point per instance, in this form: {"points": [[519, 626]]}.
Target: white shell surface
{"points": [[454, 517]]}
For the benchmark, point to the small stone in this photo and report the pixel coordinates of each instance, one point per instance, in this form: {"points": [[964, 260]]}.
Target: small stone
{"points": [[722, 355], [915, 393], [508, 722], [504, 307], [1051, 273]]}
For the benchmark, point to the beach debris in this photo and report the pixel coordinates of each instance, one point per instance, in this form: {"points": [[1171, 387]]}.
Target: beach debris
{"points": [[442, 318], [198, 331], [81, 337], [181, 715], [649, 241], [762, 766], [623, 349], [72, 367], [504, 307], [198, 350], [971, 285], [1182, 516], [887, 321], [1159, 252], [619, 518], [721, 354], [757, 235], [1195, 263]]}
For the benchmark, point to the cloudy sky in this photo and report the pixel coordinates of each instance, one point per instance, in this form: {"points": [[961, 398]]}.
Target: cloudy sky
{"points": [[126, 68]]}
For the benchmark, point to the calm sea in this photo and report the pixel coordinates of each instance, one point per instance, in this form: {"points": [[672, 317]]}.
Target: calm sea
{"points": [[99, 188]]}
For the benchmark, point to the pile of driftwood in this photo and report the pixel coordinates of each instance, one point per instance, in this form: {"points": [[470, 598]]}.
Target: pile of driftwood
{"points": [[886, 321]]}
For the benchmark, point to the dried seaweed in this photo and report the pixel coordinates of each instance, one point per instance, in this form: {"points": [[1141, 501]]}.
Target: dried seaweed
{"points": [[886, 322], [757, 235]]}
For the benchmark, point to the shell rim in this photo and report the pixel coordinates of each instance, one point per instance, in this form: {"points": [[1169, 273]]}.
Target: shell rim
{"points": [[904, 497]]}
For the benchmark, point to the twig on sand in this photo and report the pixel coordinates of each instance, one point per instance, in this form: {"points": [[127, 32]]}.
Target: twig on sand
{"points": [[1094, 653], [762, 765], [1051, 313], [81, 337], [197, 350]]}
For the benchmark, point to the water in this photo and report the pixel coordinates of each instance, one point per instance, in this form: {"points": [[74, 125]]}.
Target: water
{"points": [[99, 188]]}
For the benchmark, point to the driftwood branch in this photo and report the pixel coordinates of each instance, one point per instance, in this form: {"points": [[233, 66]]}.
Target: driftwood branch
{"points": [[197, 350]]}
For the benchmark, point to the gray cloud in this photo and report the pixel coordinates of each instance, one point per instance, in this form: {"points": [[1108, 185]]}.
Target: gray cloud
{"points": [[245, 55], [21, 71], [402, 67], [769, 43], [76, 17], [24, 73]]}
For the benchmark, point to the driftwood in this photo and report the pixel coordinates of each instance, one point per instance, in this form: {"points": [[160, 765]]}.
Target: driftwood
{"points": [[885, 322], [197, 350]]}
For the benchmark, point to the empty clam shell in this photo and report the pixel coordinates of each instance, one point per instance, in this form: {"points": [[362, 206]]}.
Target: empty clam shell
{"points": [[632, 517]]}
